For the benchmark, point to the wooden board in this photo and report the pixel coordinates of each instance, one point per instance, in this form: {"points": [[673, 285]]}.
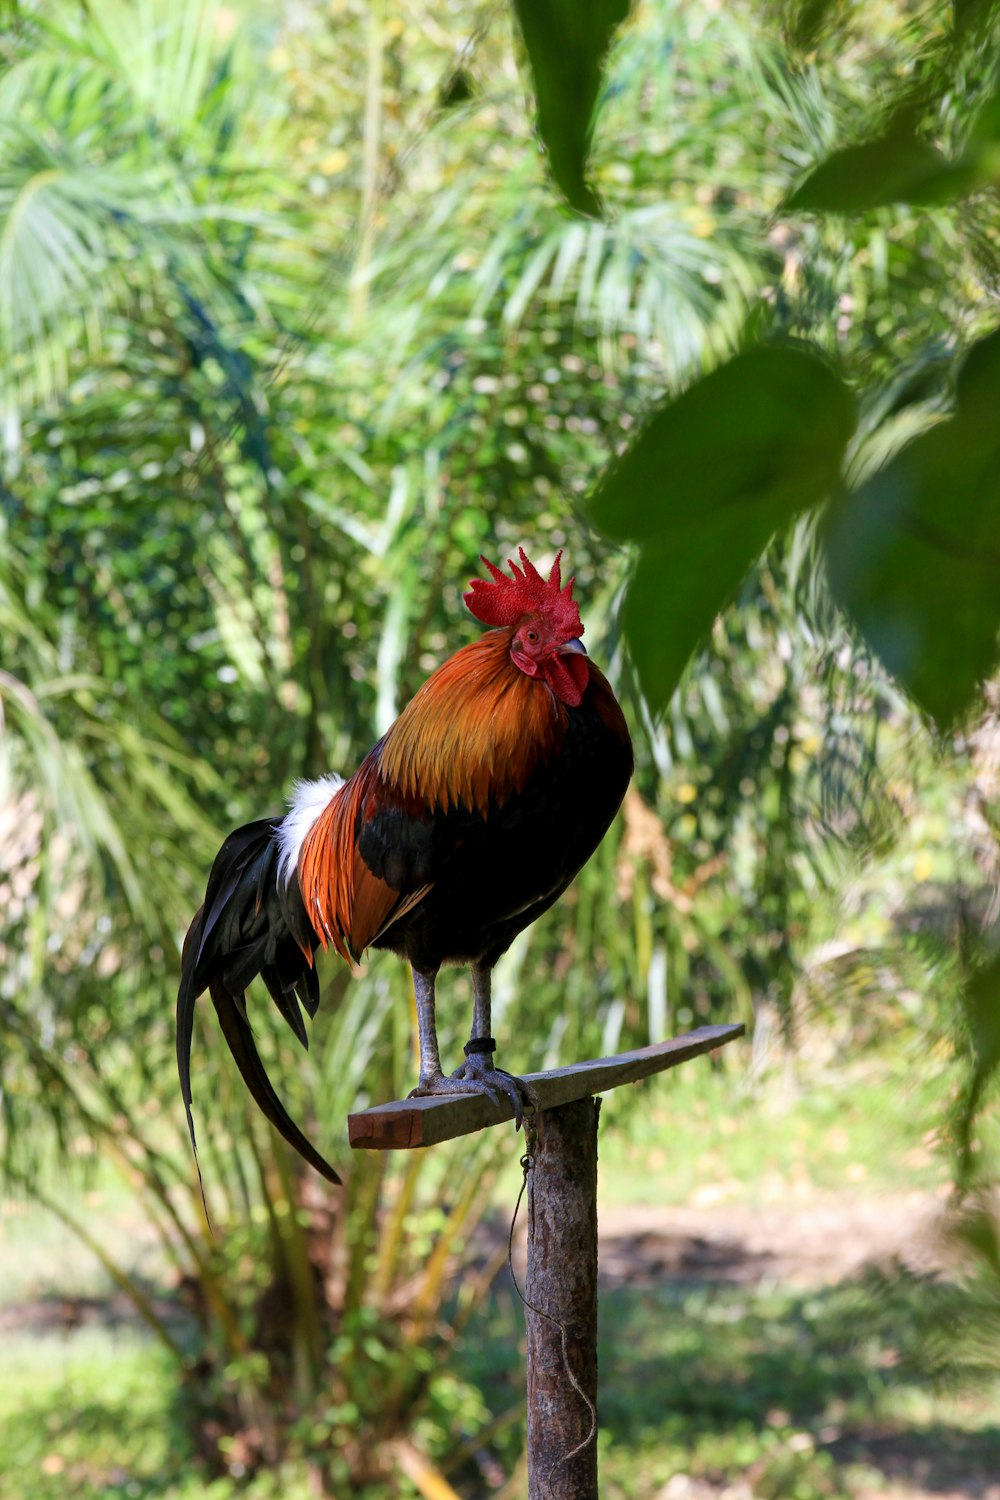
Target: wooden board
{"points": [[406, 1123]]}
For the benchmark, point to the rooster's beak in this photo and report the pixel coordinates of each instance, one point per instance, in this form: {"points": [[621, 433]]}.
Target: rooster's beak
{"points": [[574, 646]]}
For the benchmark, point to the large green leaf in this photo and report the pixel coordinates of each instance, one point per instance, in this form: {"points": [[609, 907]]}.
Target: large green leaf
{"points": [[892, 169], [680, 585], [899, 167], [566, 44], [914, 554], [707, 482], [767, 430]]}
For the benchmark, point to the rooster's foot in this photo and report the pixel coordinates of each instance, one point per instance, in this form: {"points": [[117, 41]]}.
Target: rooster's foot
{"points": [[478, 1076], [483, 1076], [479, 1067]]}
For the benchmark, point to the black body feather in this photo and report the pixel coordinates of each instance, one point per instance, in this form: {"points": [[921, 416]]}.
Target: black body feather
{"points": [[490, 877]]}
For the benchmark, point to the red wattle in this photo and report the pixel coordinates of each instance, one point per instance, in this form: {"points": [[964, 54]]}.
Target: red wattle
{"points": [[567, 675]]}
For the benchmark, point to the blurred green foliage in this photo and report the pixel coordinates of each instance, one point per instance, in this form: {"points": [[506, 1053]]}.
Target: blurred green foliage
{"points": [[911, 553], [294, 324], [566, 47]]}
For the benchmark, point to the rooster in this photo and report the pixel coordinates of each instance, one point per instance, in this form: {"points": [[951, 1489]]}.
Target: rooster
{"points": [[465, 822]]}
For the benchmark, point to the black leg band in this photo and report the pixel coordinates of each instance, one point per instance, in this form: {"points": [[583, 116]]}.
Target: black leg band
{"points": [[479, 1044]]}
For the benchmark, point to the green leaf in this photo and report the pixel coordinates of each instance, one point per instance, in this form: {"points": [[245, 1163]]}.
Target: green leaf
{"points": [[707, 483], [765, 432], [914, 554], [983, 1014], [680, 586], [898, 167], [566, 44], [986, 125], [892, 169], [969, 14]]}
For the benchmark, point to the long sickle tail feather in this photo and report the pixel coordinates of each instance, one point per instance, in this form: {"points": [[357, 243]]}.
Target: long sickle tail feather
{"points": [[237, 1032], [252, 923]]}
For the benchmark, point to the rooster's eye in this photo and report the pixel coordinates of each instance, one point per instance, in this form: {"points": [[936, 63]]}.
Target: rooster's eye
{"points": [[531, 635]]}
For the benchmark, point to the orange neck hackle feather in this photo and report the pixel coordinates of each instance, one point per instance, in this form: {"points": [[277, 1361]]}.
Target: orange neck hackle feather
{"points": [[474, 732], [471, 737], [326, 865]]}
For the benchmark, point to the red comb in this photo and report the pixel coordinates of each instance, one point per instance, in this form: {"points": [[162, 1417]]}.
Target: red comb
{"points": [[505, 600]]}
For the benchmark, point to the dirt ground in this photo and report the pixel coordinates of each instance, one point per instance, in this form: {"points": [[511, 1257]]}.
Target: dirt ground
{"points": [[802, 1244]]}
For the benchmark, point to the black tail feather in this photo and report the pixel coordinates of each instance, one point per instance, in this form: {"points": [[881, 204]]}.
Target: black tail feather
{"points": [[186, 997], [286, 1001], [230, 865], [238, 968], [307, 990], [237, 1032], [249, 925]]}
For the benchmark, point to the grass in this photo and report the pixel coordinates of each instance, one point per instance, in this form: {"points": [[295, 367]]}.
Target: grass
{"points": [[782, 1388], [803, 1395], [88, 1412], [95, 1413], [800, 1395], [791, 1392]]}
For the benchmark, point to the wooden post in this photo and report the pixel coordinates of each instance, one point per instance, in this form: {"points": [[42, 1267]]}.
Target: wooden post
{"points": [[560, 1295], [562, 1236]]}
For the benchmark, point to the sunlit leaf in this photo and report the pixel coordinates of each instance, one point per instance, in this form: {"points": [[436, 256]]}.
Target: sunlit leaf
{"points": [[914, 554], [710, 478], [566, 45]]}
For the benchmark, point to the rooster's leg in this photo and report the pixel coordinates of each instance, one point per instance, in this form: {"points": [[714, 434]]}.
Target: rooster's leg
{"points": [[479, 1067], [482, 994], [477, 1075], [430, 1057]]}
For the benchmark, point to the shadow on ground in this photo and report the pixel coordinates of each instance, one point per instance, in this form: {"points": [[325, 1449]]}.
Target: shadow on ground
{"points": [[713, 1367]]}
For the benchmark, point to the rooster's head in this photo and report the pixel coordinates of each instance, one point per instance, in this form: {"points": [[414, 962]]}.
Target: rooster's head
{"points": [[543, 620]]}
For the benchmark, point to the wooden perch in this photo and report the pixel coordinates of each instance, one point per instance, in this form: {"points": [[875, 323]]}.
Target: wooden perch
{"points": [[560, 1294], [424, 1122]]}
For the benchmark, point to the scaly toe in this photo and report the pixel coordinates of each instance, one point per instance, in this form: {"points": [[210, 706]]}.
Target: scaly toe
{"points": [[493, 1079], [443, 1087], [510, 1086]]}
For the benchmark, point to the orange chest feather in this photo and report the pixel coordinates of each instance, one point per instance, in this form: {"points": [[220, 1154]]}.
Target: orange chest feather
{"points": [[474, 732]]}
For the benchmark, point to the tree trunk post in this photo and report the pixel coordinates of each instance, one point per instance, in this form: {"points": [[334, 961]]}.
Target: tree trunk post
{"points": [[561, 1282], [561, 1279]]}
